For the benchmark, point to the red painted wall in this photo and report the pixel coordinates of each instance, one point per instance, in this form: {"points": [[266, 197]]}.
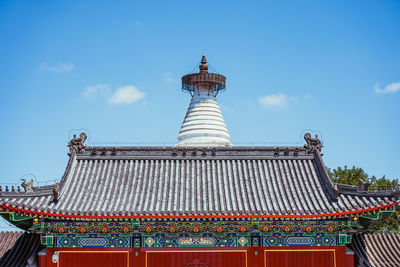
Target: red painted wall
{"points": [[111, 258], [212, 257], [300, 258], [205, 258], [89, 257]]}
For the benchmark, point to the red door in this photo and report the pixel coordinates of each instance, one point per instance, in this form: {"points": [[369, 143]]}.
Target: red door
{"points": [[93, 258], [196, 258], [300, 258]]}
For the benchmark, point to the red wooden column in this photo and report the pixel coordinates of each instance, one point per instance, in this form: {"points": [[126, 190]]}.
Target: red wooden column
{"points": [[42, 257], [349, 258]]}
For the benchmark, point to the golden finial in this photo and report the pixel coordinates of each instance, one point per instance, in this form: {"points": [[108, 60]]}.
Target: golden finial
{"points": [[203, 66]]}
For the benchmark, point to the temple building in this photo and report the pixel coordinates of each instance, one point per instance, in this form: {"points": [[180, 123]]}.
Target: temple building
{"points": [[203, 202]]}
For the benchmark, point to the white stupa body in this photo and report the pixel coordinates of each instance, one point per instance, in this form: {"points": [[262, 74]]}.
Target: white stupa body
{"points": [[203, 124]]}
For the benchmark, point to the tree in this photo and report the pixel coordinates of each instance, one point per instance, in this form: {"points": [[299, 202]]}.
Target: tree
{"points": [[351, 176], [347, 176]]}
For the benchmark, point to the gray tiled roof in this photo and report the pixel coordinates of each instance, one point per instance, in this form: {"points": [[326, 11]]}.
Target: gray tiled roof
{"points": [[19, 248], [378, 250], [204, 181], [8, 240]]}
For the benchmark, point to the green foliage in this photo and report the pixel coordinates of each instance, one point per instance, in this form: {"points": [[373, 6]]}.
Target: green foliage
{"points": [[390, 225], [351, 176], [345, 175], [383, 182]]}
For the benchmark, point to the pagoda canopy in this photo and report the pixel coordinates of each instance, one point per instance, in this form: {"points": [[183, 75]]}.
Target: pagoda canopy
{"points": [[196, 182]]}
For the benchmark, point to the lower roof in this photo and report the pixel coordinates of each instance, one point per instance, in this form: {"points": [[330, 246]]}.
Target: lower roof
{"points": [[378, 250], [17, 248]]}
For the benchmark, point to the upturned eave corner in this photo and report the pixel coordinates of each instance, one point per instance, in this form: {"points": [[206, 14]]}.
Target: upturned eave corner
{"points": [[21, 220]]}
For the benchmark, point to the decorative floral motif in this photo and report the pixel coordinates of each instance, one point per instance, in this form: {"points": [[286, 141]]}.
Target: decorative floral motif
{"points": [[82, 229], [61, 229], [148, 229], [243, 228], [219, 229], [265, 228], [308, 228], [195, 229], [172, 229], [287, 228], [104, 229]]}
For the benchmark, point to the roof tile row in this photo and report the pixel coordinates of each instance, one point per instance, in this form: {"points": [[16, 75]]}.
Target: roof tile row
{"points": [[204, 186]]}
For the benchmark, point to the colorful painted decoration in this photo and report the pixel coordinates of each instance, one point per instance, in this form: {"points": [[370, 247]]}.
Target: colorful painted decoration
{"points": [[61, 229], [148, 229], [195, 229], [104, 229], [243, 228], [82, 229], [265, 228], [287, 228], [172, 229], [308, 228], [219, 229]]}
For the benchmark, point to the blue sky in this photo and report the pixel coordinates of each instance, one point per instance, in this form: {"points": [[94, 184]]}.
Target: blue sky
{"points": [[114, 69]]}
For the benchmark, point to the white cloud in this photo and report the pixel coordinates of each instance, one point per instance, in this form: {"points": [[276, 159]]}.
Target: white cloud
{"points": [[91, 92], [126, 95], [391, 88], [122, 95], [167, 76], [274, 101], [59, 67]]}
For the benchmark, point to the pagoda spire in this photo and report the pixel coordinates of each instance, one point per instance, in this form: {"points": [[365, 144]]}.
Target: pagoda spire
{"points": [[203, 66], [204, 124]]}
